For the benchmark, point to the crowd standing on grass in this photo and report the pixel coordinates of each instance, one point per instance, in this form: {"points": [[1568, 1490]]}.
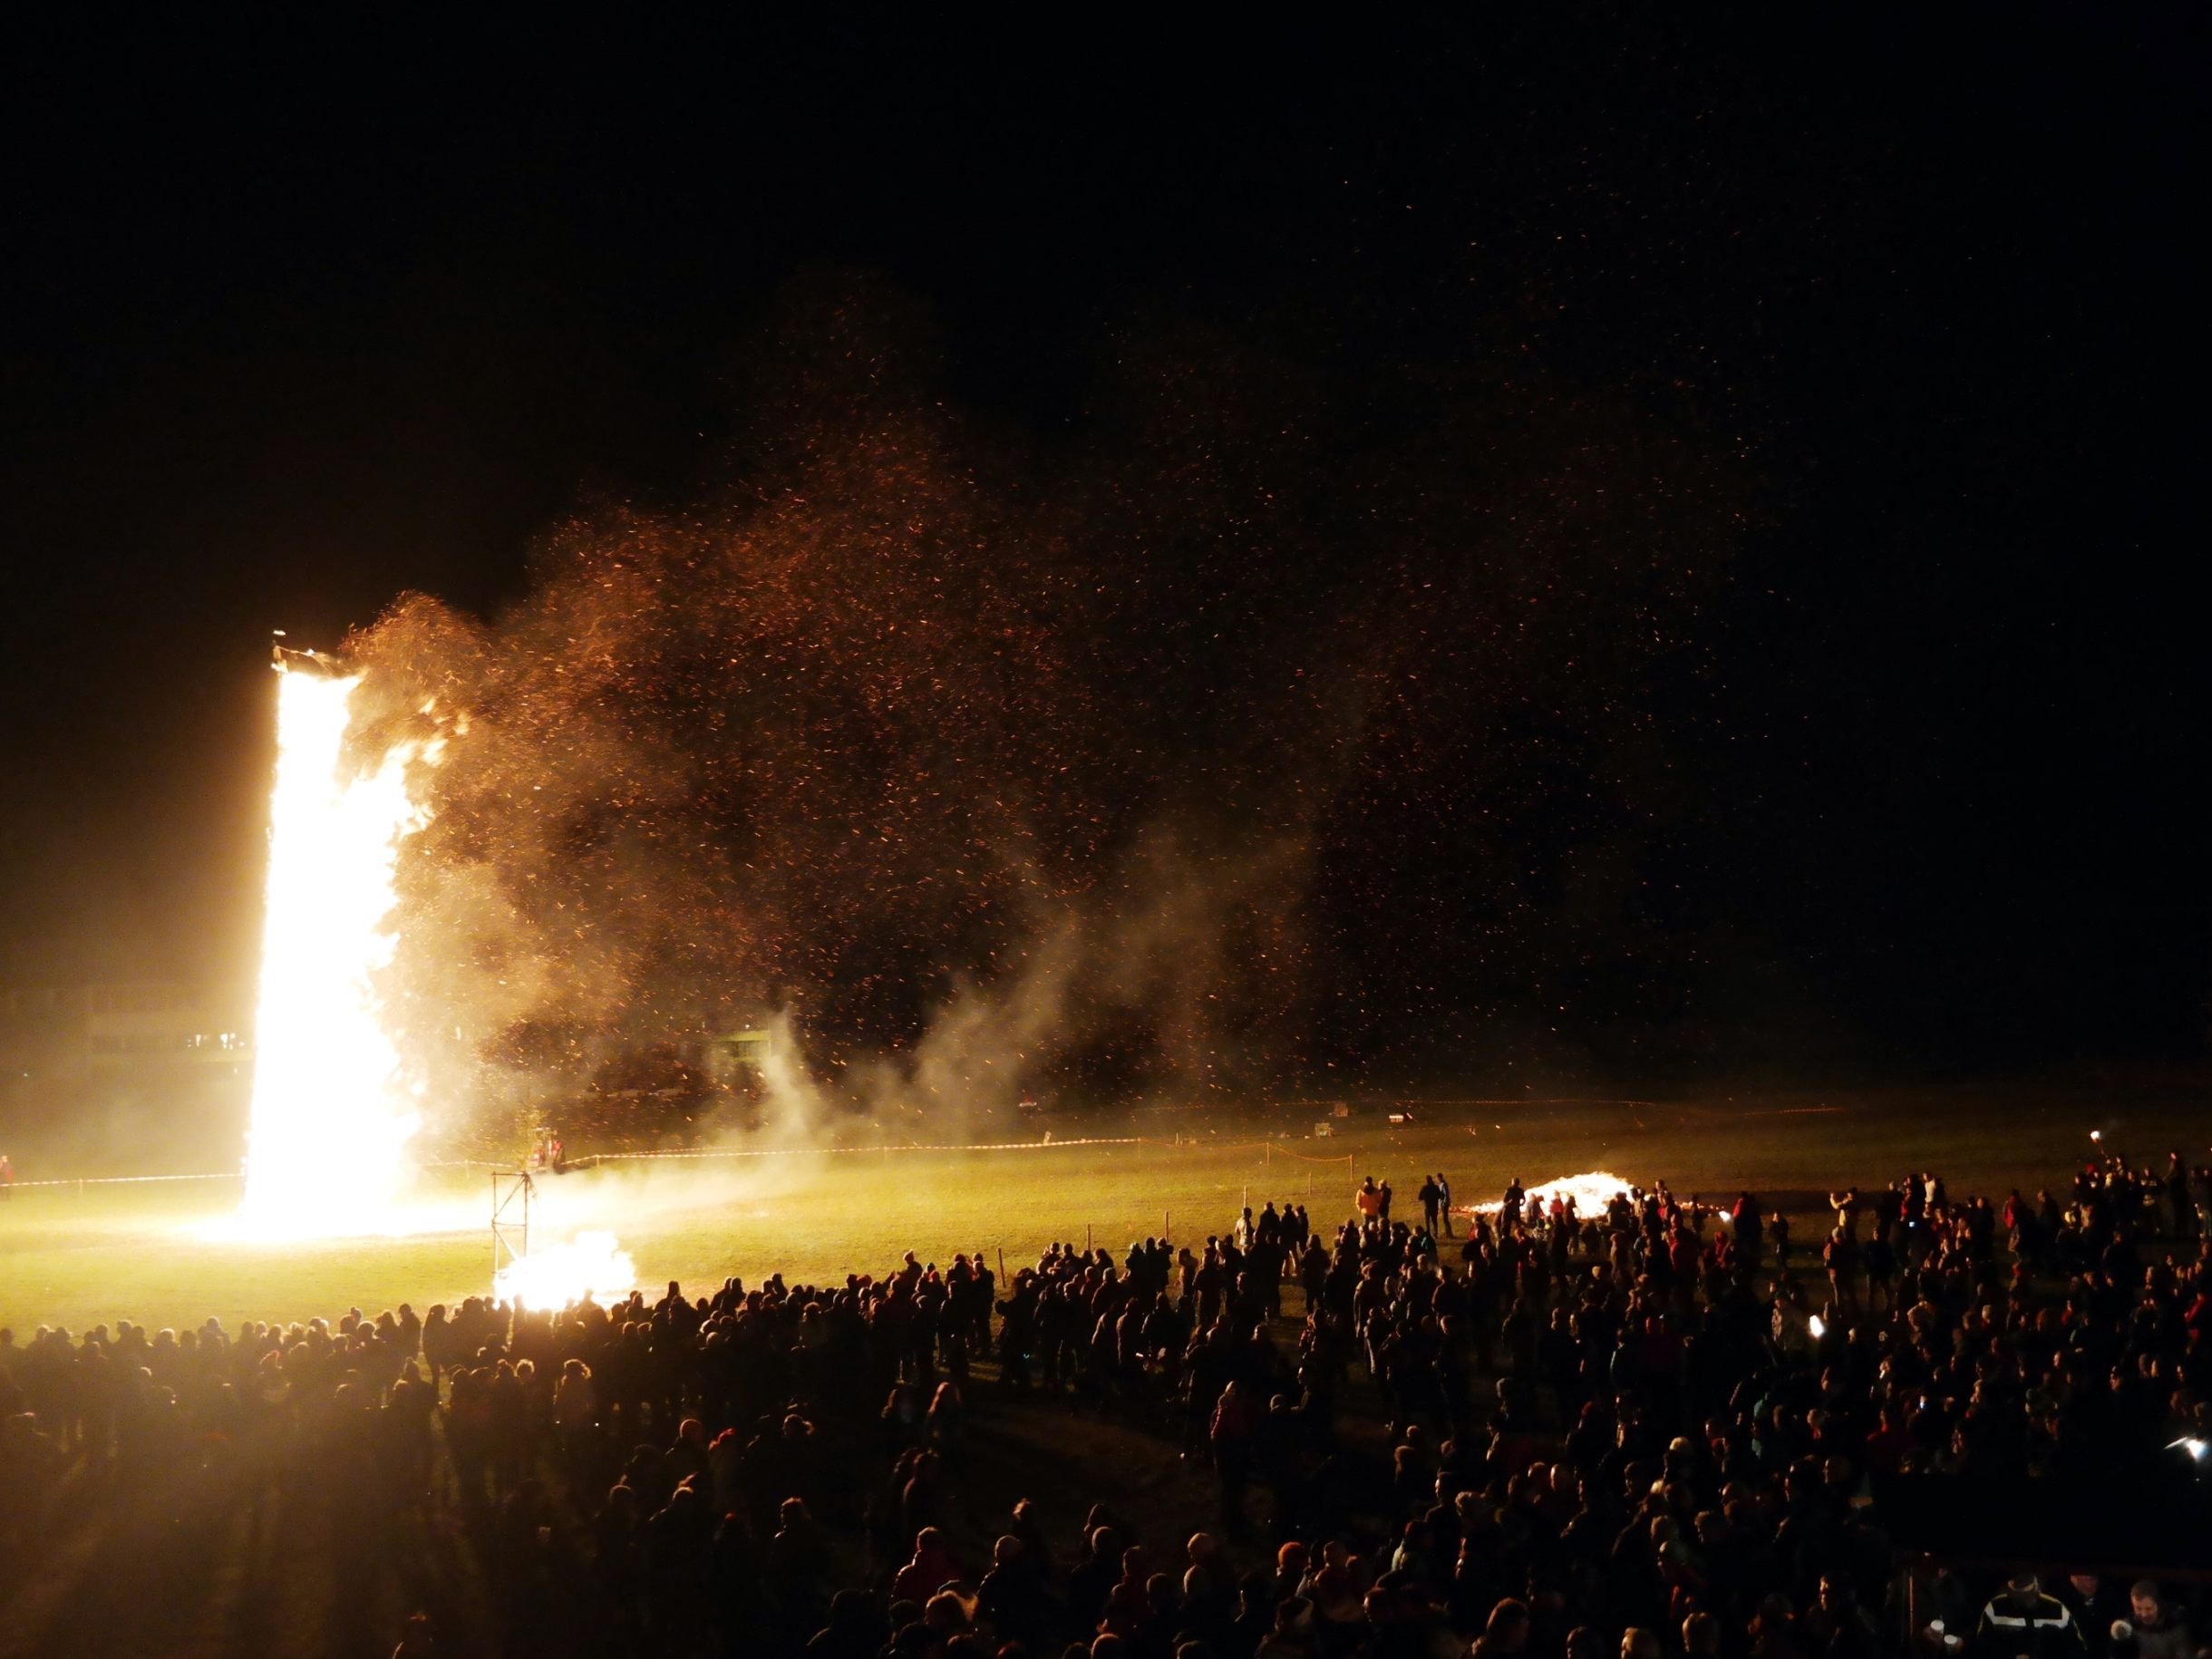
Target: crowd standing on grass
{"points": [[1556, 1434]]}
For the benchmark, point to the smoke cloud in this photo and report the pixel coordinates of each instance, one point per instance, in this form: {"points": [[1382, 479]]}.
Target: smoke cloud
{"points": [[1176, 756]]}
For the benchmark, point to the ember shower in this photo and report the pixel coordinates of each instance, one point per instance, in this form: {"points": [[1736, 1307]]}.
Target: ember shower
{"points": [[1173, 757]]}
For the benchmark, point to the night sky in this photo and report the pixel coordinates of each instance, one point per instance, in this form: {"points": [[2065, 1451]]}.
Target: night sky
{"points": [[1904, 312]]}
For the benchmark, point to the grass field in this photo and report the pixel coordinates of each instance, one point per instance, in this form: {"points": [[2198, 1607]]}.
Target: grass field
{"points": [[152, 1253]]}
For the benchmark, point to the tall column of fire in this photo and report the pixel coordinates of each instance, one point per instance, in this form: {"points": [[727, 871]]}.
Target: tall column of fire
{"points": [[330, 1119]]}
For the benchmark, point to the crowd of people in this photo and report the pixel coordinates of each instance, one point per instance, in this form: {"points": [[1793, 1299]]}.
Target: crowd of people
{"points": [[1550, 1433]]}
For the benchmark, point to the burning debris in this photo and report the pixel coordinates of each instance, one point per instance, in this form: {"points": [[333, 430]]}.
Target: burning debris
{"points": [[1589, 1192], [591, 1265]]}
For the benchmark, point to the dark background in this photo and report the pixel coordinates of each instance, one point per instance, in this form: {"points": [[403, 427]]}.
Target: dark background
{"points": [[288, 326]]}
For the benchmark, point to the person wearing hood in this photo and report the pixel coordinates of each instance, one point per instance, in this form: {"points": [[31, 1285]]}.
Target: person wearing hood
{"points": [[932, 1566]]}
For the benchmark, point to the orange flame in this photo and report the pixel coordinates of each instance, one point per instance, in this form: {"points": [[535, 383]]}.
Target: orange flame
{"points": [[331, 1122]]}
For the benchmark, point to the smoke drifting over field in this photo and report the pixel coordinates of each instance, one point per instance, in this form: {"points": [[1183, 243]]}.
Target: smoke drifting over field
{"points": [[1226, 738]]}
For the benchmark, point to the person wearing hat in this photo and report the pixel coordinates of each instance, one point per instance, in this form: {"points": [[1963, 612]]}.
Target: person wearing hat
{"points": [[2023, 1623]]}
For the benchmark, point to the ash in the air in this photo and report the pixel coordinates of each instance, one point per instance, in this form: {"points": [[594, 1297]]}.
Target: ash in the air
{"points": [[1190, 753]]}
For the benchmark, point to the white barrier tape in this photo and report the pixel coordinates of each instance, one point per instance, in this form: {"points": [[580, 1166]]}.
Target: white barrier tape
{"points": [[978, 1146], [862, 1152], [846, 1151], [1553, 1100], [122, 1181]]}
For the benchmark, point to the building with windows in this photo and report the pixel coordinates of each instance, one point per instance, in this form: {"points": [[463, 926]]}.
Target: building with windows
{"points": [[65, 1036]]}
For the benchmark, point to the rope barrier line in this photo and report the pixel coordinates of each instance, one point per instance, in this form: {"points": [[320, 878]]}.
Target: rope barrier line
{"points": [[1553, 1100], [865, 1151], [586, 1158], [1271, 1148], [132, 1180]]}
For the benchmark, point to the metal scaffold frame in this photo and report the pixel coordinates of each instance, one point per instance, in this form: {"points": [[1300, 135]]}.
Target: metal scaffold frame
{"points": [[511, 1191]]}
